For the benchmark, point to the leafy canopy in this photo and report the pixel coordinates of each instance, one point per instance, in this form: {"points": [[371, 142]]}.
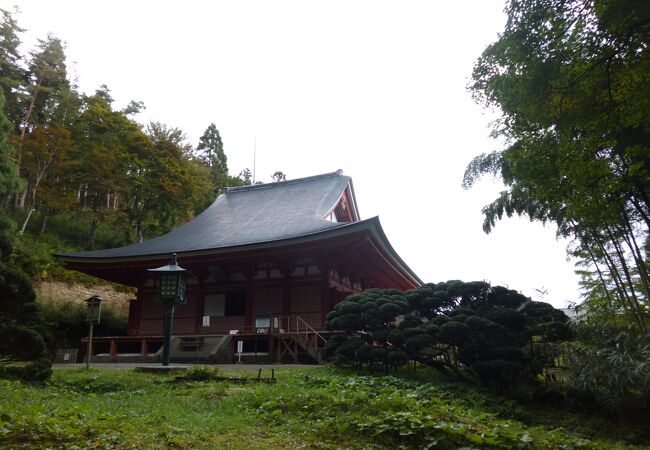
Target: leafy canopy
{"points": [[465, 329], [571, 80]]}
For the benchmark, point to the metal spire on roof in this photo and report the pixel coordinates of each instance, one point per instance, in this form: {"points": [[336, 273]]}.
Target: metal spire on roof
{"points": [[254, 154]]}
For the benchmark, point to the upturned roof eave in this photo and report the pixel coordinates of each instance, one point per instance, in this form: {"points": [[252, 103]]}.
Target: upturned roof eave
{"points": [[373, 225], [342, 229]]}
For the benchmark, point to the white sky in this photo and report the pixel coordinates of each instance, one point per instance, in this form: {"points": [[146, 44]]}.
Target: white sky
{"points": [[375, 88]]}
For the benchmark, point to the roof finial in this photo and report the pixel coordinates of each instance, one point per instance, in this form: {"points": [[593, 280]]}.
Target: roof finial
{"points": [[254, 154]]}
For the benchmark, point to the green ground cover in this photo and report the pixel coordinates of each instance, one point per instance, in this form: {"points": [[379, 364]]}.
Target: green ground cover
{"points": [[305, 408]]}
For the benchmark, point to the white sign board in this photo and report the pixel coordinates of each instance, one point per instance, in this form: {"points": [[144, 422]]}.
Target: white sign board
{"points": [[240, 349]]}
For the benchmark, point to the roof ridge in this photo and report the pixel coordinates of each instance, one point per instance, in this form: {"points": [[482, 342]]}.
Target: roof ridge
{"points": [[234, 189]]}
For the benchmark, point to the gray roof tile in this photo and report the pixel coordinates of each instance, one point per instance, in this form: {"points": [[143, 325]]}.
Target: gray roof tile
{"points": [[247, 215]]}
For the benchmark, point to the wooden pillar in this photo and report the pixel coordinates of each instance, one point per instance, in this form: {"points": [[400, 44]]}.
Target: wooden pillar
{"points": [[113, 348], [135, 312], [249, 273], [199, 308], [144, 348], [135, 307], [286, 301], [270, 347]]}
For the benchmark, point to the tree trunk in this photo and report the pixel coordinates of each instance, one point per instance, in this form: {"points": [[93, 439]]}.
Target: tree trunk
{"points": [[23, 130], [630, 240], [641, 212], [604, 284], [92, 235], [138, 231], [29, 215], [44, 224], [635, 302], [613, 271]]}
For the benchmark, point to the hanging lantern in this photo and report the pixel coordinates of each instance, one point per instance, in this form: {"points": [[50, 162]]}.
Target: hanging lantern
{"points": [[170, 280]]}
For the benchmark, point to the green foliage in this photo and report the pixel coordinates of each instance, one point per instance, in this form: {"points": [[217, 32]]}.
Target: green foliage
{"points": [[211, 154], [34, 256], [613, 367], [77, 173], [316, 408], [18, 304], [37, 370], [570, 79], [9, 179], [23, 354], [390, 412], [64, 324], [11, 73], [7, 237], [19, 343], [83, 160], [201, 373], [20, 322], [468, 330]]}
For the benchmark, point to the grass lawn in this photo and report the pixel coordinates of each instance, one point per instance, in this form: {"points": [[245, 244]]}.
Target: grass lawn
{"points": [[306, 408]]}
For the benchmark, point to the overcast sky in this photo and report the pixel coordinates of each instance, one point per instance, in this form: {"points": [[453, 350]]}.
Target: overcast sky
{"points": [[377, 89]]}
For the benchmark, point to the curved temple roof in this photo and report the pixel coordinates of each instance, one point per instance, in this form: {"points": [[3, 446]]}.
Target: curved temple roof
{"points": [[255, 217], [248, 215]]}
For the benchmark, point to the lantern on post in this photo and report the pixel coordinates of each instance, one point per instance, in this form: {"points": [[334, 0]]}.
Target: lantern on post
{"points": [[170, 281], [93, 315]]}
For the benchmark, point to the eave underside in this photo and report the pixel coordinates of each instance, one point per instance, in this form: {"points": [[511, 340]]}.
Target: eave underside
{"points": [[360, 254]]}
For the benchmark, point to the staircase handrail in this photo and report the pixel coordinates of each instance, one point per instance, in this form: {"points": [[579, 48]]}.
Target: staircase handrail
{"points": [[310, 328], [299, 323]]}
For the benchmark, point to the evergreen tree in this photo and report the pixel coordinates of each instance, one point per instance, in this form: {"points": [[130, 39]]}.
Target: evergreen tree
{"points": [[18, 309], [212, 155], [9, 180], [469, 330], [12, 75]]}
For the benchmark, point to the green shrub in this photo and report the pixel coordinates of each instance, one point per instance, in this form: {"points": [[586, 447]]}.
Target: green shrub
{"points": [[65, 324], [34, 256], [397, 358], [32, 371], [498, 373], [22, 349], [462, 329], [201, 373], [613, 368], [19, 343]]}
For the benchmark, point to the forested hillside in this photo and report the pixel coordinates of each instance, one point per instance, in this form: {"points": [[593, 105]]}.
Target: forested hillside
{"points": [[81, 173]]}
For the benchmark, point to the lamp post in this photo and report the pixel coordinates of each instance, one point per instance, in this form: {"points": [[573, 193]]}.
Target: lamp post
{"points": [[93, 315], [170, 280]]}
